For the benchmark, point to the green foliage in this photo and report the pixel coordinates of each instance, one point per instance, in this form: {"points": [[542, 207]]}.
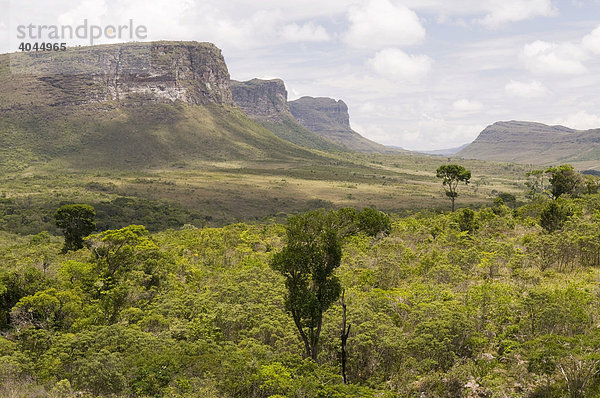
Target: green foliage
{"points": [[452, 175], [466, 220], [312, 253], [373, 222], [507, 199], [564, 180], [495, 307], [536, 183], [554, 215], [76, 221]]}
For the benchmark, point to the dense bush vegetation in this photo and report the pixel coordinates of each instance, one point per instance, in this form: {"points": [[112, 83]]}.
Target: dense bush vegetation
{"points": [[477, 303]]}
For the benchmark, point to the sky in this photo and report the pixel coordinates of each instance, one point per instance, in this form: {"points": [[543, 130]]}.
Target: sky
{"points": [[422, 75]]}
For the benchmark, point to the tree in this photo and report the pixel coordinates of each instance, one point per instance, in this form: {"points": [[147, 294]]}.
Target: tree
{"points": [[452, 175], [535, 183], [77, 222], [554, 215], [507, 199], [312, 253], [344, 337], [373, 222], [564, 180]]}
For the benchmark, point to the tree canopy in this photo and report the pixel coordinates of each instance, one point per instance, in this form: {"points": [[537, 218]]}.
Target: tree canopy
{"points": [[76, 221], [312, 252], [452, 175]]}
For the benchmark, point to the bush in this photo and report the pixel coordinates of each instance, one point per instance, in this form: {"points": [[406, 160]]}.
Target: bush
{"points": [[466, 220], [554, 215], [373, 222]]}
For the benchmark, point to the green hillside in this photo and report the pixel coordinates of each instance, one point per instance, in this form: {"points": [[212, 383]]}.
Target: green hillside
{"points": [[290, 130], [114, 135]]}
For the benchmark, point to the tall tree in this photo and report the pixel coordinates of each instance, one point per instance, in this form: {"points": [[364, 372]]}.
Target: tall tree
{"points": [[452, 175], [312, 253], [76, 221], [564, 180]]}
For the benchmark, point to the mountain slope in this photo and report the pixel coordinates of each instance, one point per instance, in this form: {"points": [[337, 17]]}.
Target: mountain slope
{"points": [[138, 104], [265, 101], [537, 143], [329, 119]]}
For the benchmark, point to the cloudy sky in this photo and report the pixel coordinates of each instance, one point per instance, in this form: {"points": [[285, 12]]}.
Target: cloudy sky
{"points": [[420, 74]]}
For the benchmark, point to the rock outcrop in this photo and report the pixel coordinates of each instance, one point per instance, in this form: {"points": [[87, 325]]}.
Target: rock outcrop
{"points": [[128, 105], [330, 119], [263, 100], [191, 72]]}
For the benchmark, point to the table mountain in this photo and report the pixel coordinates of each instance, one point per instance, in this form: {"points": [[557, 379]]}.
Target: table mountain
{"points": [[134, 104], [330, 119], [265, 101], [536, 143]]}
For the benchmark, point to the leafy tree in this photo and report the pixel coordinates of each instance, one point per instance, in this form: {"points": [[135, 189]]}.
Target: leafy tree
{"points": [[128, 268], [507, 199], [554, 215], [308, 261], [466, 220], [564, 180], [452, 175], [373, 222], [77, 222], [592, 184]]}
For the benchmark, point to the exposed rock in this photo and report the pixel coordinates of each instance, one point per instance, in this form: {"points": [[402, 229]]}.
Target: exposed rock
{"points": [[263, 100], [330, 119], [191, 72]]}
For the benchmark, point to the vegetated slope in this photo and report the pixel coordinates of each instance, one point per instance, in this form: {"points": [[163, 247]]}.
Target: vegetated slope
{"points": [[527, 142], [329, 119], [265, 101], [138, 104]]}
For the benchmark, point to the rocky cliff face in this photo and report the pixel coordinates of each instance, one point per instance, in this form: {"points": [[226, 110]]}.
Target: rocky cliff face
{"points": [[537, 143], [263, 100], [330, 119], [191, 72], [321, 114]]}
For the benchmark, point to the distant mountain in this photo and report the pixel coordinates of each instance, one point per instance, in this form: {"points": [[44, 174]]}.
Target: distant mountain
{"points": [[445, 152], [127, 105], [535, 143], [265, 101], [330, 119]]}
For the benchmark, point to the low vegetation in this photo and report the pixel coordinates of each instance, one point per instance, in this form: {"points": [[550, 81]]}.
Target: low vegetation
{"points": [[481, 302]]}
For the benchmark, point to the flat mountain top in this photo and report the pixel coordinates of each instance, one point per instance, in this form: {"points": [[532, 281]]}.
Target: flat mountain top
{"points": [[265, 101], [330, 119], [127, 105], [535, 143]]}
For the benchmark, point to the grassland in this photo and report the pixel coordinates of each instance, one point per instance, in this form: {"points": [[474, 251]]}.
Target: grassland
{"points": [[216, 193]]}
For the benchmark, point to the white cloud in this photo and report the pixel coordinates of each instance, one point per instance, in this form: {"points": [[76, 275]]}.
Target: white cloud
{"points": [[304, 33], [395, 64], [379, 23], [580, 120], [591, 42], [505, 11], [532, 89], [466, 106], [555, 58]]}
